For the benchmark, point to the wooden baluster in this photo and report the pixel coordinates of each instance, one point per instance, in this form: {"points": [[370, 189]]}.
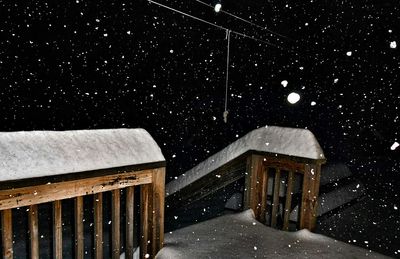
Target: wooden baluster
{"points": [[79, 235], [116, 214], [275, 204], [146, 210], [130, 222], [158, 210], [98, 225], [57, 230], [7, 233], [288, 203], [33, 231]]}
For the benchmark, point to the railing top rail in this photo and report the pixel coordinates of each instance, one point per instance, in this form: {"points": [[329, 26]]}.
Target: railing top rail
{"points": [[25, 155]]}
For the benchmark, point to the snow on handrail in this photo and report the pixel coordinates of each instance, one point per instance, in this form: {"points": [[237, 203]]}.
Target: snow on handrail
{"points": [[30, 154], [271, 139]]}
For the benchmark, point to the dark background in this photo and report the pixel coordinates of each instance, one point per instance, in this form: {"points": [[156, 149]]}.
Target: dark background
{"points": [[87, 64], [107, 64]]}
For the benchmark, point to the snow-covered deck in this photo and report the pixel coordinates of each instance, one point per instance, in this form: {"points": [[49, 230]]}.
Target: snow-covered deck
{"points": [[30, 154], [271, 139], [241, 236]]}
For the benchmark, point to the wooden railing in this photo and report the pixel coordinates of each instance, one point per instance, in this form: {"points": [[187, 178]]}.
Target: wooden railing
{"points": [[296, 176], [274, 186], [29, 193]]}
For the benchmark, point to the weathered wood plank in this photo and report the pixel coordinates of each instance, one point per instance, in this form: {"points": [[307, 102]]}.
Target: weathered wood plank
{"points": [[7, 234], [158, 210], [309, 200], [288, 202], [98, 225], [256, 186], [18, 197], [130, 221], [286, 165], [145, 220], [116, 223], [57, 230], [275, 201], [79, 235], [33, 231]]}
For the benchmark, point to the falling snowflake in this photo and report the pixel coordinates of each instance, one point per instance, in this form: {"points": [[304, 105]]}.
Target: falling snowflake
{"points": [[349, 53], [395, 145], [284, 83], [393, 44]]}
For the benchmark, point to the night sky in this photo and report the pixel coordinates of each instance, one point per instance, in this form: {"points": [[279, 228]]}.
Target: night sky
{"points": [[108, 64], [86, 64]]}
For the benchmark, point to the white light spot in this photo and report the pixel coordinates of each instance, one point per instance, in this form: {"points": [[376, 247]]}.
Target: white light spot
{"points": [[217, 7], [128, 32], [395, 145], [395, 207], [284, 83], [349, 53], [393, 45], [255, 248], [313, 103], [390, 31], [175, 217], [293, 98], [214, 118], [301, 68], [105, 34], [147, 256], [335, 80], [171, 51]]}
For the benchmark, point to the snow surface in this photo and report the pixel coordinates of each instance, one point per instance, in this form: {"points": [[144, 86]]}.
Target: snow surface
{"points": [[271, 139], [29, 154], [241, 236]]}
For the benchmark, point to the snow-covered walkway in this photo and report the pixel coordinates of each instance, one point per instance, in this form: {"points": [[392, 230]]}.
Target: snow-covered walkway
{"points": [[241, 236]]}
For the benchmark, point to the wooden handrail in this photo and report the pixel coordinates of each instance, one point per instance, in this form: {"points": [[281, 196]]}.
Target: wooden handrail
{"points": [[152, 191]]}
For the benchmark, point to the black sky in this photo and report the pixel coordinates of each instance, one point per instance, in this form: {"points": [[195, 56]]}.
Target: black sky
{"points": [[107, 64]]}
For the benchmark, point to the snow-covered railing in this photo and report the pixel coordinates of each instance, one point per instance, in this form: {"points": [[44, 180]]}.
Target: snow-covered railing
{"points": [[265, 157], [74, 169]]}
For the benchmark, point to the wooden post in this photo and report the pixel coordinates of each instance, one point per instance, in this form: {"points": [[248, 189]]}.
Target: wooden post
{"points": [[309, 199], [130, 221], [57, 230], [145, 220], [79, 237], [275, 202], [288, 203], [7, 234], [98, 225], [256, 178], [34, 231], [158, 210], [116, 223]]}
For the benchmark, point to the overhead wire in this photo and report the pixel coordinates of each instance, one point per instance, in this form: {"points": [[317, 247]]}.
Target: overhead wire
{"points": [[218, 26], [246, 21]]}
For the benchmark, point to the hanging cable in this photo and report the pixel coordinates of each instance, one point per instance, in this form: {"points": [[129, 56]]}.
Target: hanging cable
{"points": [[228, 37]]}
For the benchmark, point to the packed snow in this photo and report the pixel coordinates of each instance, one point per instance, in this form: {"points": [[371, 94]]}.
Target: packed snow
{"points": [[29, 154], [271, 139], [241, 236]]}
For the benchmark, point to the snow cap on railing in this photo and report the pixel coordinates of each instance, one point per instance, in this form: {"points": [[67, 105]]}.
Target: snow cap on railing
{"points": [[30, 154], [271, 139]]}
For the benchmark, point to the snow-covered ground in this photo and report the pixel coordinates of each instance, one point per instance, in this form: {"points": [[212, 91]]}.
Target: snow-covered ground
{"points": [[241, 236]]}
